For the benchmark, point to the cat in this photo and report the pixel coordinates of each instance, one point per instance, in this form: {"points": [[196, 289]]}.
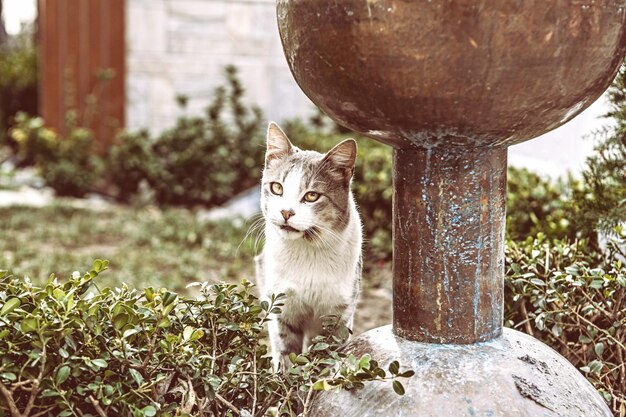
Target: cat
{"points": [[313, 238]]}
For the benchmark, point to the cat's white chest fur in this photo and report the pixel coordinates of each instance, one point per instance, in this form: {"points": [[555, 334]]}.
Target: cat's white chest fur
{"points": [[316, 280]]}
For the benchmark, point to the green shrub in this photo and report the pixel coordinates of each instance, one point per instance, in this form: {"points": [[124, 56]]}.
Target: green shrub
{"points": [[201, 160], [66, 163], [601, 203], [67, 349], [570, 298], [18, 81], [538, 205], [131, 161]]}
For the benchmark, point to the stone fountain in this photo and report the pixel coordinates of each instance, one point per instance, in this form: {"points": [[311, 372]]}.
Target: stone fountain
{"points": [[450, 84]]}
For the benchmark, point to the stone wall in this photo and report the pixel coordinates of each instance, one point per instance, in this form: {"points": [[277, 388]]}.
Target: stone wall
{"points": [[181, 47]]}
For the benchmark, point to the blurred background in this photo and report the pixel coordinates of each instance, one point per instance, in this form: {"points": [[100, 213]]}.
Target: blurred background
{"points": [[133, 131], [163, 49]]}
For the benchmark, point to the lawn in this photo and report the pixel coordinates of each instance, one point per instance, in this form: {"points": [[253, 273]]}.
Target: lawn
{"points": [[146, 246]]}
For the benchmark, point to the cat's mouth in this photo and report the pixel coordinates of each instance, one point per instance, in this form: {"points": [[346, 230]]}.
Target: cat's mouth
{"points": [[288, 228]]}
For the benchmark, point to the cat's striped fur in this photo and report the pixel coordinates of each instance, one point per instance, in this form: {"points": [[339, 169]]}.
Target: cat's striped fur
{"points": [[312, 248]]}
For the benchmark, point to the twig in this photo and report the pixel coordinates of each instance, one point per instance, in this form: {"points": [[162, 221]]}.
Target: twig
{"points": [[96, 405], [307, 401], [608, 335], [7, 395], [33, 394], [622, 372], [597, 305], [41, 413], [254, 379], [524, 312], [280, 407], [35, 389], [228, 404]]}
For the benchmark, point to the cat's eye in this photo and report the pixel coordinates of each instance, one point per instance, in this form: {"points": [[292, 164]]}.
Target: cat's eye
{"points": [[276, 188], [311, 196]]}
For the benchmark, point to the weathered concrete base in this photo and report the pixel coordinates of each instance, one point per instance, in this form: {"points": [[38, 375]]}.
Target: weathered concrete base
{"points": [[513, 375]]}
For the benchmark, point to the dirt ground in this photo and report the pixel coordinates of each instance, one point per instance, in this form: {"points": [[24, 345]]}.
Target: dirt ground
{"points": [[374, 309]]}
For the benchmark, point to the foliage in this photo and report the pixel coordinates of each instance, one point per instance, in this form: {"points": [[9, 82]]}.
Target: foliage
{"points": [[66, 350], [18, 81], [538, 205], [572, 299], [201, 160], [130, 162], [67, 162], [602, 202]]}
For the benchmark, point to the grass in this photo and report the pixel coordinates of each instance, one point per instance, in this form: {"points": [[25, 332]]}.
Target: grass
{"points": [[146, 246]]}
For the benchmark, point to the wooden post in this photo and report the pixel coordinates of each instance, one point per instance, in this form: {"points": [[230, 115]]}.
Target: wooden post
{"points": [[82, 64]]}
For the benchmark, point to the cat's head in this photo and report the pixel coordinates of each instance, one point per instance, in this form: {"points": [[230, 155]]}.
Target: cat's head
{"points": [[306, 194]]}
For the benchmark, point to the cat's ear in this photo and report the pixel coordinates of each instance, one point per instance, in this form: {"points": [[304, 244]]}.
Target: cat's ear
{"points": [[278, 145], [342, 158]]}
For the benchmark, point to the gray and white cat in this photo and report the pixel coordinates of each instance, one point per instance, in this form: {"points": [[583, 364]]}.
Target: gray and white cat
{"points": [[312, 240]]}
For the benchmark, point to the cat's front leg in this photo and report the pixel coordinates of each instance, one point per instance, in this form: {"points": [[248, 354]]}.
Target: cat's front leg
{"points": [[285, 338]]}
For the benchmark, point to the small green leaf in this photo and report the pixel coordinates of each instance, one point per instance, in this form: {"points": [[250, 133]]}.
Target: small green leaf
{"points": [[149, 294], [407, 374], [49, 393], [321, 346], [322, 385], [129, 333], [219, 299], [599, 348], [364, 362], [149, 411], [595, 367], [100, 363], [196, 335], [29, 325], [302, 360], [188, 332], [62, 374], [97, 265], [164, 322], [9, 376], [169, 298], [394, 367], [136, 376], [10, 305], [167, 310], [398, 388], [120, 321], [597, 284]]}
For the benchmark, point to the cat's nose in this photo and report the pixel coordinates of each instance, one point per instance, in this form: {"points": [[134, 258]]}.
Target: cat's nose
{"points": [[287, 214]]}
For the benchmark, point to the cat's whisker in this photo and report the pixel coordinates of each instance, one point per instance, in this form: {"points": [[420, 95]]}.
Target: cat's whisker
{"points": [[255, 228]]}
